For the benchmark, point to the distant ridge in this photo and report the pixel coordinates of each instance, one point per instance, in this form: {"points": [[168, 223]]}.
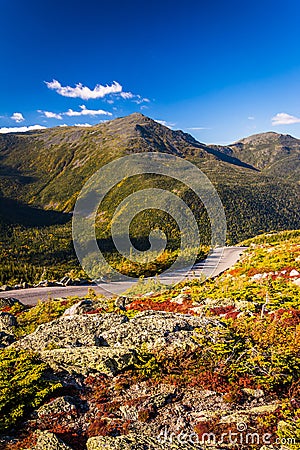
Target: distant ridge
{"points": [[273, 153]]}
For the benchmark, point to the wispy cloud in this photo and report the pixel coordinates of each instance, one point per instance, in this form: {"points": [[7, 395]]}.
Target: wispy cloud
{"points": [[71, 113], [84, 92], [17, 117], [87, 112], [51, 115], [198, 128], [21, 129], [284, 119], [126, 95], [138, 99], [251, 118], [165, 123], [135, 98]]}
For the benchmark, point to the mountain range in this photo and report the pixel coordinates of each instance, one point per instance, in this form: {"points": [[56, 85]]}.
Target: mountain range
{"points": [[257, 177]]}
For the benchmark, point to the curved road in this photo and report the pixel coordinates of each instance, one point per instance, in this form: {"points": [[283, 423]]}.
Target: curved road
{"points": [[217, 262]]}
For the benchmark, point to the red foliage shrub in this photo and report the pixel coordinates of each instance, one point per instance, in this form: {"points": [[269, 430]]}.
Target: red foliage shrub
{"points": [[222, 310], [98, 388], [146, 414], [167, 305], [232, 315], [28, 441], [107, 427], [235, 272], [294, 395], [289, 317], [95, 311], [5, 309]]}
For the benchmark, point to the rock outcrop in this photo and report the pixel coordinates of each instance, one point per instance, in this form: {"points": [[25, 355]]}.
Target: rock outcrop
{"points": [[139, 442], [71, 331], [79, 308], [90, 360], [7, 322], [9, 301], [108, 343], [48, 441], [155, 328], [59, 405], [6, 339]]}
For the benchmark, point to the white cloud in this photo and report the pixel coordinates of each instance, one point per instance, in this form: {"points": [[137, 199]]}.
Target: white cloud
{"points": [[87, 112], [127, 95], [284, 119], [17, 117], [198, 128], [84, 112], [51, 115], [251, 118], [82, 125], [165, 124], [99, 91], [83, 92], [21, 129], [139, 99]]}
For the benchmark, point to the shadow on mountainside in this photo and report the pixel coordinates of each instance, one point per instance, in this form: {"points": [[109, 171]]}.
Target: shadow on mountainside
{"points": [[13, 212]]}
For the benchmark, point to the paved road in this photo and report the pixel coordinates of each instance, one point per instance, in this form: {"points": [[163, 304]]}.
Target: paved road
{"points": [[221, 259]]}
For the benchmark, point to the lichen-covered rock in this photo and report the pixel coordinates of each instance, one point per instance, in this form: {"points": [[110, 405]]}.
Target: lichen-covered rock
{"points": [[79, 308], [48, 441], [243, 416], [157, 328], [71, 331], [255, 393], [139, 442], [7, 322], [9, 302], [57, 406], [90, 359], [6, 339]]}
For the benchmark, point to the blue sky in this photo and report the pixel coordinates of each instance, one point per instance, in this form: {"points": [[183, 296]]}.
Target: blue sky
{"points": [[219, 70]]}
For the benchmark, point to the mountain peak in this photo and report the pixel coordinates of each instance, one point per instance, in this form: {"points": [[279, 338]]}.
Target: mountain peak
{"points": [[267, 151], [259, 138], [268, 137]]}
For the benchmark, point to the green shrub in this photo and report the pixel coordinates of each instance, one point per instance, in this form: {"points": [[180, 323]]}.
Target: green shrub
{"points": [[23, 385]]}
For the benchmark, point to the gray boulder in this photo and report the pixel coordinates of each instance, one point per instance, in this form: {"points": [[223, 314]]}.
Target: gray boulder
{"points": [[48, 441], [71, 331], [9, 301], [64, 405], [139, 442], [79, 308], [6, 339], [155, 328], [7, 322], [90, 360]]}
